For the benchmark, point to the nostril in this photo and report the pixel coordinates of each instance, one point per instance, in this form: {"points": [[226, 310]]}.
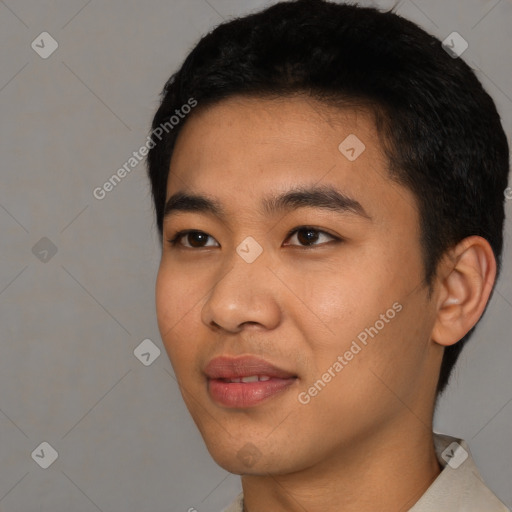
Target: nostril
{"points": [[215, 325]]}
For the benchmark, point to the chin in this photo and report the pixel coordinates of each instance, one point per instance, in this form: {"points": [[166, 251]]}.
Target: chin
{"points": [[240, 458]]}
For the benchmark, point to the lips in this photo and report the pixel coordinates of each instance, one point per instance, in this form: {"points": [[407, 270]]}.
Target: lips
{"points": [[239, 382], [239, 367]]}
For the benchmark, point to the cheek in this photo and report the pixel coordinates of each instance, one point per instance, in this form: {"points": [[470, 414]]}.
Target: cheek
{"points": [[358, 310], [336, 304], [165, 301], [176, 300], [176, 293]]}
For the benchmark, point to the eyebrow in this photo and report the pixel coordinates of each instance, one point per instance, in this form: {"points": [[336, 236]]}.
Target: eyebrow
{"points": [[323, 197]]}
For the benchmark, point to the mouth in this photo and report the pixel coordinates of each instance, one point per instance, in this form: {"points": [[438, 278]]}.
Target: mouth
{"points": [[246, 381], [251, 378]]}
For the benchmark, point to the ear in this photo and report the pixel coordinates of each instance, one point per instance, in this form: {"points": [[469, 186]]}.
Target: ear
{"points": [[465, 280]]}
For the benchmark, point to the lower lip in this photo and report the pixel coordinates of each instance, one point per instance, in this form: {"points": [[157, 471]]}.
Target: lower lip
{"points": [[246, 394]]}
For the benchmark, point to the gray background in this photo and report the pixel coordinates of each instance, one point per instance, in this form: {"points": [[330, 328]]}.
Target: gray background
{"points": [[71, 320]]}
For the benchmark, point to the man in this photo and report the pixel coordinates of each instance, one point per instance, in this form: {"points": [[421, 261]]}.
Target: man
{"points": [[328, 185]]}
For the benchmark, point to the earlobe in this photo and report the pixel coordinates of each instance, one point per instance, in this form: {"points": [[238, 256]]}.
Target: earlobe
{"points": [[465, 281]]}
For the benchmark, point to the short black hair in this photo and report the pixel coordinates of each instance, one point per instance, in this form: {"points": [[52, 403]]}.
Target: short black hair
{"points": [[441, 132]]}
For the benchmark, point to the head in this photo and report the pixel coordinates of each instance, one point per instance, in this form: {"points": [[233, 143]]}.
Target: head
{"points": [[273, 102]]}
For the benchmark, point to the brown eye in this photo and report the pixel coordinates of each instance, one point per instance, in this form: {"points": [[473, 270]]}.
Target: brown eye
{"points": [[308, 236], [195, 239]]}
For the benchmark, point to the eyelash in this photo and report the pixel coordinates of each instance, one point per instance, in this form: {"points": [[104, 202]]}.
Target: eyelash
{"points": [[174, 241]]}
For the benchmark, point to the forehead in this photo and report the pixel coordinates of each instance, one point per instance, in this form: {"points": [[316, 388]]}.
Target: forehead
{"points": [[286, 120], [245, 147]]}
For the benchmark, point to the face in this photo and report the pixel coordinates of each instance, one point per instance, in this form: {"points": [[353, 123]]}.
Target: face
{"points": [[292, 311]]}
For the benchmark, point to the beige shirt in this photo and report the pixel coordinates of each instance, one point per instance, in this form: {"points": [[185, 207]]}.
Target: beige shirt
{"points": [[458, 488]]}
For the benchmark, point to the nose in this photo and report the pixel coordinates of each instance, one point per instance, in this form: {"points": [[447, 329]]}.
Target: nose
{"points": [[244, 294]]}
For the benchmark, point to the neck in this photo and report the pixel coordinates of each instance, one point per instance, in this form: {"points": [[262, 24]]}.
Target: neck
{"points": [[386, 471]]}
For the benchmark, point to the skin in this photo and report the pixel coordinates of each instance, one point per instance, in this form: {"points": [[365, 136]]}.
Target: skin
{"points": [[364, 442]]}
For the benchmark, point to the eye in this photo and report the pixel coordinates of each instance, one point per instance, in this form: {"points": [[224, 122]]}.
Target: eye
{"points": [[308, 236], [196, 239]]}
